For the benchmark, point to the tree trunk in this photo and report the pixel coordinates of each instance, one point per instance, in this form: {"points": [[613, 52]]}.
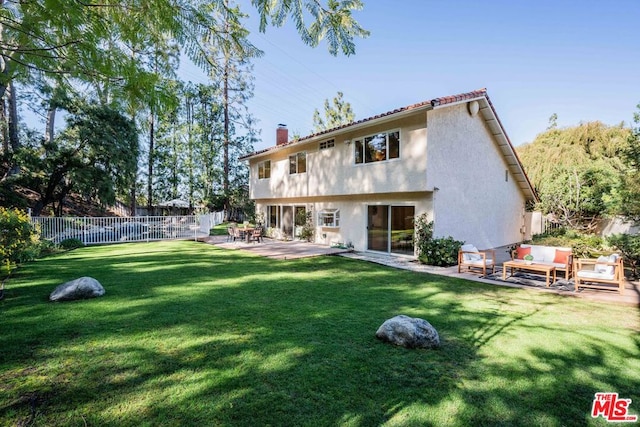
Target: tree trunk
{"points": [[225, 100], [174, 169], [132, 197], [4, 62], [14, 141], [4, 132], [190, 148], [37, 208], [151, 159], [12, 128], [225, 186], [51, 118]]}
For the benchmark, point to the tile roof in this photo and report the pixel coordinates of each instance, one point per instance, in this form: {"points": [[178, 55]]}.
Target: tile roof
{"points": [[460, 97], [488, 112], [433, 103]]}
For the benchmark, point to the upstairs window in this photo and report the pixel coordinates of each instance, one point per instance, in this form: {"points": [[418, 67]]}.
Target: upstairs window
{"points": [[264, 169], [327, 144], [377, 148], [329, 218], [298, 163]]}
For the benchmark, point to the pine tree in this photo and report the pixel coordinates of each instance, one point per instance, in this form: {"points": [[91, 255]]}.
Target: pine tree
{"points": [[337, 114]]}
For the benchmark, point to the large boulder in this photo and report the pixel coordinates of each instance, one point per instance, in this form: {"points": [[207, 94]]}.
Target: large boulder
{"points": [[409, 332], [82, 288]]}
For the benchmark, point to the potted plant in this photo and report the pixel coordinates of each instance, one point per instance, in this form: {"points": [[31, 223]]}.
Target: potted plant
{"points": [[528, 259]]}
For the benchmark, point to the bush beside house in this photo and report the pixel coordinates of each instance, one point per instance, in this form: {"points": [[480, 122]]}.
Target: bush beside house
{"points": [[440, 252]]}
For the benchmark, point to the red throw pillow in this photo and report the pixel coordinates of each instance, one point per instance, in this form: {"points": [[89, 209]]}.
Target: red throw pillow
{"points": [[521, 252], [561, 256]]}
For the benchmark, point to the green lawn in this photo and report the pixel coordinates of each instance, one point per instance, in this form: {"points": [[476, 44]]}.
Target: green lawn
{"points": [[189, 334]]}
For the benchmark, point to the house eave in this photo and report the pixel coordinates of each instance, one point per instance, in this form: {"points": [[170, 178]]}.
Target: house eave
{"points": [[486, 109], [499, 134], [506, 147], [332, 133]]}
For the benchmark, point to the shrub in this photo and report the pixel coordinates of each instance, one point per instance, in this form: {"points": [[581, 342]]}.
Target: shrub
{"points": [[441, 252], [18, 239], [72, 243], [582, 245], [629, 245], [307, 230], [16, 235]]}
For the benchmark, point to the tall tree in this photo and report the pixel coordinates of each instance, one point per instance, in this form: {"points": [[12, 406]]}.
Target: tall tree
{"points": [[336, 114], [164, 63], [229, 54], [580, 185], [93, 156], [109, 45], [630, 179]]}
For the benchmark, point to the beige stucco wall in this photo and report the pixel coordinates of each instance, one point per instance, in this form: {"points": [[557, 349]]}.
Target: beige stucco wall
{"points": [[353, 213], [333, 172], [445, 149], [473, 202]]}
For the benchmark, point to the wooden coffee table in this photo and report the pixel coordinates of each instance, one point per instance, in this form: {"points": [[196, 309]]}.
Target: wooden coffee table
{"points": [[521, 265]]}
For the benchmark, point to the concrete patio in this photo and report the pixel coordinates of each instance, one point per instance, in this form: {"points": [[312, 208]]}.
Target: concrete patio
{"points": [[276, 249], [282, 250]]}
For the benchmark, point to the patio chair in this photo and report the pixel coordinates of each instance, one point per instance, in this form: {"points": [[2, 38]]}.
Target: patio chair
{"points": [[230, 234], [256, 235], [472, 258], [238, 234], [606, 272]]}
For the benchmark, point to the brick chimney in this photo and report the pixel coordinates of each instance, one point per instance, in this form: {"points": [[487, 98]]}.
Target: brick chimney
{"points": [[282, 134]]}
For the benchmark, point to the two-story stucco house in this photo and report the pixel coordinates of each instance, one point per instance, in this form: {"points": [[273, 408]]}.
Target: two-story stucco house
{"points": [[365, 182]]}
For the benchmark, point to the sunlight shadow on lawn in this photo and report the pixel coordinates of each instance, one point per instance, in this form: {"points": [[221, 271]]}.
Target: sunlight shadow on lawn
{"points": [[189, 334]]}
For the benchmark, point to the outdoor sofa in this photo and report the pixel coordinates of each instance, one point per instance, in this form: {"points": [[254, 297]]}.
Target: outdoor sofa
{"points": [[558, 257]]}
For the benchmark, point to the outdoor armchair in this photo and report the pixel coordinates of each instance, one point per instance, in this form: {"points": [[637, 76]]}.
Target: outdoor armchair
{"points": [[472, 258], [602, 273]]}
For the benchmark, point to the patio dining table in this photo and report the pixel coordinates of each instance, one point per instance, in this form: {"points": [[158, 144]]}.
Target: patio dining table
{"points": [[247, 232]]}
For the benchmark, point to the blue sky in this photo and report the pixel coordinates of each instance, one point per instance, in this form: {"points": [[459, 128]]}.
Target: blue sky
{"points": [[578, 59]]}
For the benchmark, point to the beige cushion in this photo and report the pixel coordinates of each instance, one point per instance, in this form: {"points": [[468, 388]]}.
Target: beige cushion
{"points": [[603, 267], [470, 257], [592, 274], [488, 261]]}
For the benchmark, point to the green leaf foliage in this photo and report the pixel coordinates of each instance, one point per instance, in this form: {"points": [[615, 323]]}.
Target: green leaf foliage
{"points": [[629, 246], [16, 237], [441, 252], [338, 113], [576, 171], [332, 21], [630, 188], [96, 156]]}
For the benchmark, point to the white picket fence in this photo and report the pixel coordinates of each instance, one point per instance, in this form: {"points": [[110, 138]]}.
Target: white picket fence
{"points": [[107, 230]]}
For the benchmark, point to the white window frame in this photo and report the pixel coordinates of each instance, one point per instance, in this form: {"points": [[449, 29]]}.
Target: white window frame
{"points": [[361, 141], [297, 162], [327, 144], [273, 221], [332, 214], [262, 170]]}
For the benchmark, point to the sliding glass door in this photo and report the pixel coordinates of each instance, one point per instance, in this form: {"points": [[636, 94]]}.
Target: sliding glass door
{"points": [[390, 229], [287, 221], [378, 228], [402, 229]]}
